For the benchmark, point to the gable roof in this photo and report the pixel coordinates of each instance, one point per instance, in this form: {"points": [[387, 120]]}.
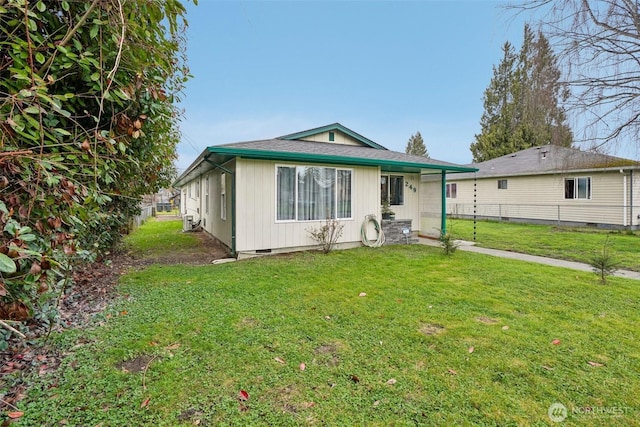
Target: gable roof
{"points": [[295, 150], [548, 159], [332, 127]]}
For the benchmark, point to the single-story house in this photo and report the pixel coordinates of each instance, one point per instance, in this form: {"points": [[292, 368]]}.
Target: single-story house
{"points": [[550, 184], [263, 196]]}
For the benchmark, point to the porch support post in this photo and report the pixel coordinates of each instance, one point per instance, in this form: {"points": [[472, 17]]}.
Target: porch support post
{"points": [[443, 215]]}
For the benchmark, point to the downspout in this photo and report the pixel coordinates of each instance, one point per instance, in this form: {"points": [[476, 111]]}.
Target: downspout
{"points": [[233, 201], [443, 215]]}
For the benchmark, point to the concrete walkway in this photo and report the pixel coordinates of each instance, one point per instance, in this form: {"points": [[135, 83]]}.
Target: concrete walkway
{"points": [[470, 247]]}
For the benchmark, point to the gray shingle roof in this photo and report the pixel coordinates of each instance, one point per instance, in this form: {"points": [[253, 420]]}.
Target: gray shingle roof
{"points": [[546, 159], [332, 149]]}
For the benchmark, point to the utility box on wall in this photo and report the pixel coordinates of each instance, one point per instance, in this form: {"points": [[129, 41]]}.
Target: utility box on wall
{"points": [[187, 223]]}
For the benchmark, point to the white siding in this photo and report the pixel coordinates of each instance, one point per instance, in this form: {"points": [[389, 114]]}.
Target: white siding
{"points": [[339, 138], [541, 197], [634, 202], [257, 228], [431, 205]]}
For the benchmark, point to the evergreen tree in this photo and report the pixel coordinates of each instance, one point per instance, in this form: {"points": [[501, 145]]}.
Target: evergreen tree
{"points": [[522, 102], [416, 146], [497, 122]]}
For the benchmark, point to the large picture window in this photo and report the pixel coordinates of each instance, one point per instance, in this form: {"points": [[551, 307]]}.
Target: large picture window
{"points": [[392, 189], [577, 188], [310, 193]]}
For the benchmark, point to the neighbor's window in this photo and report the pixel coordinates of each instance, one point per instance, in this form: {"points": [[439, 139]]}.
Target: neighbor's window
{"points": [[452, 190], [198, 188], [307, 193], [577, 188], [392, 189], [223, 196], [502, 184]]}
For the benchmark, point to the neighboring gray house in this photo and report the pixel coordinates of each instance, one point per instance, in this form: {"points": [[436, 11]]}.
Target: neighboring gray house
{"points": [[550, 184], [262, 196]]}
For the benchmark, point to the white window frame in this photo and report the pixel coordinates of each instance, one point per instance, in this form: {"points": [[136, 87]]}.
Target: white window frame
{"points": [[576, 185], [206, 195], [296, 167], [388, 198], [223, 196], [451, 190]]}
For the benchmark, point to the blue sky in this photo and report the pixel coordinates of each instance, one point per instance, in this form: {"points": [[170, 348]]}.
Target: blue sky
{"points": [[383, 69]]}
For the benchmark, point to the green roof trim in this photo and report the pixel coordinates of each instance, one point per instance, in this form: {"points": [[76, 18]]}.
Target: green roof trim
{"points": [[386, 165], [333, 127]]}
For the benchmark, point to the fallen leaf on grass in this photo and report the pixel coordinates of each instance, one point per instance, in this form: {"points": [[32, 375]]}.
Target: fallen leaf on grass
{"points": [[309, 404], [145, 402], [362, 294], [452, 372], [392, 381], [354, 378], [505, 328], [595, 364], [471, 349], [376, 403], [303, 366], [279, 360], [548, 368], [174, 346], [243, 395], [15, 415], [555, 342]]}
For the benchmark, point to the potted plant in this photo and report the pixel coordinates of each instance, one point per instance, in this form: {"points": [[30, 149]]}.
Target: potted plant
{"points": [[387, 213]]}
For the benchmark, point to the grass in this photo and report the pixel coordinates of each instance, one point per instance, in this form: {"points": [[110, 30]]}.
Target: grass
{"points": [[161, 237], [574, 244], [437, 340]]}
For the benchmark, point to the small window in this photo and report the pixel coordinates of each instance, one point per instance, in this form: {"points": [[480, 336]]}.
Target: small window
{"points": [[332, 136], [223, 196], [392, 189], [452, 190], [206, 195], [198, 188], [502, 184], [577, 188]]}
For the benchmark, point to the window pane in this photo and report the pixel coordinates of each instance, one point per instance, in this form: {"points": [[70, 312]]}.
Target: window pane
{"points": [[344, 194], [286, 193], [384, 189], [454, 191], [583, 188], [316, 193], [569, 188], [396, 190]]}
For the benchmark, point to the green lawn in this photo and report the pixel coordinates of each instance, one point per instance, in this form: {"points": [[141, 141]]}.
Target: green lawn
{"points": [[436, 340], [574, 244]]}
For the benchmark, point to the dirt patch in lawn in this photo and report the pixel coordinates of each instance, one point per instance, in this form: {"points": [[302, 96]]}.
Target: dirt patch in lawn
{"points": [[431, 329], [137, 364], [486, 320]]}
